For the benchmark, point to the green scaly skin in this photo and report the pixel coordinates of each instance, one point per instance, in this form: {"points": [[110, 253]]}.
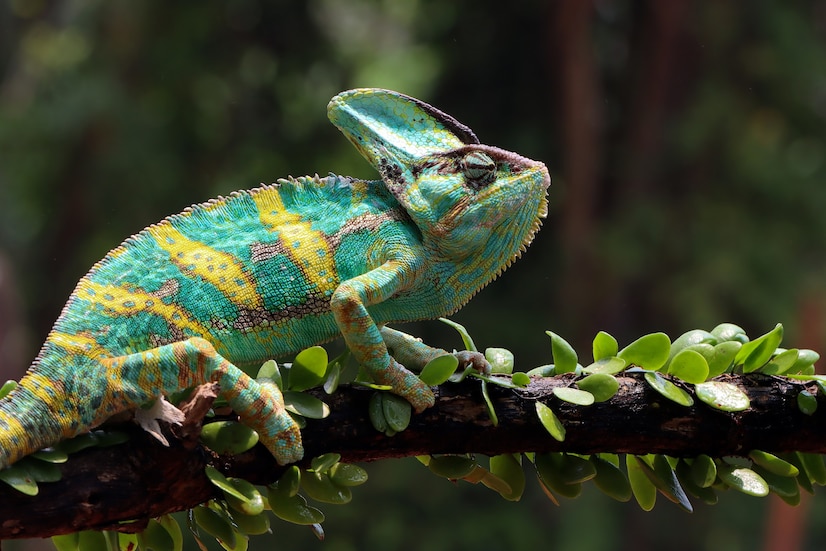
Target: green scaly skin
{"points": [[270, 271]]}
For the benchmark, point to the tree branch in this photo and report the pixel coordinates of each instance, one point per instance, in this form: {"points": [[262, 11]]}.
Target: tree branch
{"points": [[141, 479]]}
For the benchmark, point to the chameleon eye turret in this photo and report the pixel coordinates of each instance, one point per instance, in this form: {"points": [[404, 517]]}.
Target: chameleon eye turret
{"points": [[267, 272], [478, 168]]}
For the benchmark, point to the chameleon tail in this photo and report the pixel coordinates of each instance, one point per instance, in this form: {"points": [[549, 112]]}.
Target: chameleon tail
{"points": [[27, 419]]}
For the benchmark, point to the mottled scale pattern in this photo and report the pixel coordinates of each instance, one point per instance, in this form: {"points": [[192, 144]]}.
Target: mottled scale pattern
{"points": [[263, 273]]}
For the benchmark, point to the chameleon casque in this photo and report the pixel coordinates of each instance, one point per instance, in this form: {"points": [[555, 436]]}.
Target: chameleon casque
{"points": [[269, 271]]}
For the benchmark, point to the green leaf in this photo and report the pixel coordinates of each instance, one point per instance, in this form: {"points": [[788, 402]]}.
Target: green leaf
{"points": [[689, 366], [289, 483], [269, 370], [604, 346], [668, 389], [500, 360], [222, 483], [730, 332], [308, 369], [325, 462], [347, 474], [783, 486], [813, 464], [252, 503], [665, 480], [574, 395], [641, 486], [703, 471], [649, 351], [744, 480], [574, 469], [508, 467], [156, 537], [565, 358], [319, 487], [305, 405], [51, 455], [781, 363], [549, 466], [774, 464], [397, 412], [754, 354], [550, 421], [67, 542], [90, 540], [494, 419], [609, 365], [541, 371], [375, 410], [453, 467], [723, 358], [333, 378], [611, 480], [252, 525], [40, 471], [174, 530], [466, 339], [806, 402], [805, 359], [19, 479], [601, 385], [7, 387], [705, 494], [228, 437], [293, 509], [439, 369], [722, 396], [690, 339], [521, 379], [216, 524]]}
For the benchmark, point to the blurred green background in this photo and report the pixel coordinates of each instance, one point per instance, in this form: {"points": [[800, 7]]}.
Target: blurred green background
{"points": [[686, 142]]}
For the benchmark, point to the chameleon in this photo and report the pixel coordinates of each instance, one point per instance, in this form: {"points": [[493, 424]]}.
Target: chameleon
{"points": [[262, 273]]}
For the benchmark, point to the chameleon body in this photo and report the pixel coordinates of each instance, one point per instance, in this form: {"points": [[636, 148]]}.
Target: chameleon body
{"points": [[266, 272]]}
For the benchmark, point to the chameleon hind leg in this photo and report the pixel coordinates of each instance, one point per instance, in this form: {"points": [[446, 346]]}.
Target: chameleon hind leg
{"points": [[141, 377]]}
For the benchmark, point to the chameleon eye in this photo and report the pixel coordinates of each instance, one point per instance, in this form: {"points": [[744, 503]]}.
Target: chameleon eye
{"points": [[478, 168]]}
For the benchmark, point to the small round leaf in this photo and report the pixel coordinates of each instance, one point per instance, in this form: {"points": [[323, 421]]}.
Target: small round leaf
{"points": [[668, 389], [565, 358], [228, 437], [601, 385], [722, 396], [439, 369], [806, 402], [574, 396], [550, 421], [649, 351], [308, 369], [604, 346], [397, 412], [689, 366]]}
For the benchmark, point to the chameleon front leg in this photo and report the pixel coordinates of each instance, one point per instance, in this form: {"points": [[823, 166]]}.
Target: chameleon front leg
{"points": [[349, 305], [141, 377], [415, 354]]}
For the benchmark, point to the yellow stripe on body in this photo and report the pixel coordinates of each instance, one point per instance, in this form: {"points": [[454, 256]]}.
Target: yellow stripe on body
{"points": [[222, 270], [305, 246], [121, 301], [78, 344], [43, 387]]}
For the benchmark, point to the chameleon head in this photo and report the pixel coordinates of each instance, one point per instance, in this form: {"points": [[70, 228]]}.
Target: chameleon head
{"points": [[467, 199]]}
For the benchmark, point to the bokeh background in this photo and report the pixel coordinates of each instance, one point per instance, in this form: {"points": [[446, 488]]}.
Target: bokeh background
{"points": [[687, 145]]}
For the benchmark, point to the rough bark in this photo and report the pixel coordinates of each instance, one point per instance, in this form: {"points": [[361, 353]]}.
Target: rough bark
{"points": [[142, 479]]}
